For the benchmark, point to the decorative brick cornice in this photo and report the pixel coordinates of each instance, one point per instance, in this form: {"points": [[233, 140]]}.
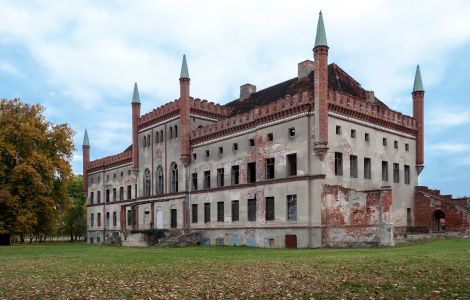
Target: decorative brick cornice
{"points": [[209, 109], [110, 161], [159, 114]]}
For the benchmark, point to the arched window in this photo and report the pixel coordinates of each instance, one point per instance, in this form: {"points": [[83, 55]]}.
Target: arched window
{"points": [[157, 138], [174, 178], [171, 133], [159, 180], [176, 131], [145, 141], [147, 182], [161, 135], [148, 140]]}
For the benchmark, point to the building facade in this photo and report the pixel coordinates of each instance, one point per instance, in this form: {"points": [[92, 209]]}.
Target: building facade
{"points": [[314, 161]]}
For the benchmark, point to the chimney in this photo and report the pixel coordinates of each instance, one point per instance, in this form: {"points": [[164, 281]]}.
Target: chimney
{"points": [[370, 96], [246, 90], [305, 68]]}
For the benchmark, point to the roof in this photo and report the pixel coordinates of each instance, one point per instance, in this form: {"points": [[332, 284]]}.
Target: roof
{"points": [[338, 80]]}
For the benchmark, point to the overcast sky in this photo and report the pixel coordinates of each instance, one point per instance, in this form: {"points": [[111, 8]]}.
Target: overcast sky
{"points": [[80, 59]]}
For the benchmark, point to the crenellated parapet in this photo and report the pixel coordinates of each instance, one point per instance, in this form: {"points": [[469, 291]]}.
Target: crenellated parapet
{"points": [[282, 108], [209, 109], [369, 112], [159, 114], [110, 161]]}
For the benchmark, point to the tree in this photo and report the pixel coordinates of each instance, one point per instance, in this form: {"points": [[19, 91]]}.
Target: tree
{"points": [[35, 167], [74, 222]]}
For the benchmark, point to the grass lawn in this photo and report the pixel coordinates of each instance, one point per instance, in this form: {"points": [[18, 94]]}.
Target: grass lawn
{"points": [[434, 269]]}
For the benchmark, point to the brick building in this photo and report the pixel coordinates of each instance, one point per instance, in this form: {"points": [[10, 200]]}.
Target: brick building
{"points": [[316, 160]]}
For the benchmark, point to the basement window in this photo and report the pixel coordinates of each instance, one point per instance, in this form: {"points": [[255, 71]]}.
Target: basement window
{"points": [[292, 131], [251, 172]]}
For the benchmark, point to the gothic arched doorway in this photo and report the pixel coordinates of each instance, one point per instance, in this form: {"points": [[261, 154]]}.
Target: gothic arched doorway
{"points": [[438, 220]]}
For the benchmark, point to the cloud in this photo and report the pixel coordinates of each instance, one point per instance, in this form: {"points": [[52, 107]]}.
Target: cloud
{"points": [[449, 148], [9, 69], [443, 118]]}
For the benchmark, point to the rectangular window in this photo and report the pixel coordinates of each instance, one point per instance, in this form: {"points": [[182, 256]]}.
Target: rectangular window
{"points": [[338, 164], [407, 174], [407, 147], [235, 210], [114, 219], [235, 146], [384, 141], [353, 133], [367, 168], [251, 172], [129, 217], [366, 137], [292, 131], [291, 164], [121, 193], [396, 173], [395, 144], [194, 181], [292, 207], [173, 218], [92, 220], [107, 196], [114, 195], [220, 211], [98, 196], [135, 190], [194, 156], [194, 213], [269, 208], [235, 175], [338, 130], [220, 177], [353, 166], [107, 219], [92, 198], [384, 171], [408, 216], [270, 137], [207, 153], [251, 142], [98, 216], [207, 179], [270, 168], [251, 209], [129, 193], [207, 212], [221, 151]]}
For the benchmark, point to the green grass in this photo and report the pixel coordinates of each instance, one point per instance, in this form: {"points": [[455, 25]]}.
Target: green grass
{"points": [[434, 269]]}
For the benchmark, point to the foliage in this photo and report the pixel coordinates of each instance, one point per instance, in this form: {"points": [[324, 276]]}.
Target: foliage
{"points": [[430, 270], [74, 221], [34, 168]]}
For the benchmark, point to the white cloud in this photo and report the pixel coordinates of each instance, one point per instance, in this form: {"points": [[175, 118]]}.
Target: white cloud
{"points": [[449, 148], [443, 118]]}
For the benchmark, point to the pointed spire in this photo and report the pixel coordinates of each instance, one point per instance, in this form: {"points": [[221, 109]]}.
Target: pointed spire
{"points": [[86, 142], [418, 85], [320, 39], [184, 69], [135, 97]]}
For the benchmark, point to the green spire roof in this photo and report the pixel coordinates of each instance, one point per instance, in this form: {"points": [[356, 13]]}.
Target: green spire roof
{"points": [[86, 142], [418, 85], [135, 97], [320, 39], [184, 69]]}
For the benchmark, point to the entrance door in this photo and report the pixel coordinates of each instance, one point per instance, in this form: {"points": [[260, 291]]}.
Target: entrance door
{"points": [[159, 219], [439, 221], [291, 241]]}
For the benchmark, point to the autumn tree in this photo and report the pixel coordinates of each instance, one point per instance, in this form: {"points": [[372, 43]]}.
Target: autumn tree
{"points": [[74, 220], [35, 167]]}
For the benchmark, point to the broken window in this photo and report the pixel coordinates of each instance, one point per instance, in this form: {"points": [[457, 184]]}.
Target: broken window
{"points": [[292, 131], [353, 133], [270, 168], [367, 168], [366, 137], [221, 151], [235, 210], [235, 146], [396, 173], [292, 207], [251, 172], [220, 211], [338, 164], [194, 213], [220, 177], [353, 166], [270, 137], [173, 218], [207, 179], [292, 164], [338, 129], [407, 174], [207, 212], [194, 181], [269, 208], [384, 171], [159, 180], [251, 142], [235, 175], [384, 141], [252, 209]]}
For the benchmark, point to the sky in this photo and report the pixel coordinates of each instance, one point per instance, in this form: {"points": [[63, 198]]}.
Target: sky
{"points": [[80, 60]]}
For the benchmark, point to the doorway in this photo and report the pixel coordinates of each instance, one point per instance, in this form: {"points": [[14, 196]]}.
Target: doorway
{"points": [[439, 221], [291, 241]]}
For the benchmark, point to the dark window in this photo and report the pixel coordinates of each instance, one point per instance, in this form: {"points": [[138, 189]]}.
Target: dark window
{"points": [[396, 173], [147, 183], [207, 212], [384, 171], [384, 141], [338, 129], [92, 220], [270, 168], [407, 147], [98, 197], [270, 137], [114, 194], [221, 150], [157, 138], [194, 156], [194, 213], [159, 180], [129, 192], [366, 137], [235, 175], [251, 209], [235, 146], [114, 219], [367, 168], [135, 190], [98, 216], [161, 135], [107, 196], [220, 177], [353, 166], [292, 164], [121, 193], [171, 133], [174, 218], [92, 196], [235, 211], [269, 208], [251, 142], [408, 216], [207, 153], [129, 217], [176, 131], [291, 207], [174, 178], [395, 144], [220, 211], [251, 172], [145, 141], [353, 133], [338, 164], [292, 131], [407, 174], [107, 219], [207, 179], [194, 181]]}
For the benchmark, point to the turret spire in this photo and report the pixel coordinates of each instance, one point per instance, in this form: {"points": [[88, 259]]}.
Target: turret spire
{"points": [[320, 39], [184, 69], [418, 85], [86, 142], [135, 97]]}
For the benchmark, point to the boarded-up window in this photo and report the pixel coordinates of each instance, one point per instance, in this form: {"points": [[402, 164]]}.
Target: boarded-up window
{"points": [[251, 209], [220, 211], [292, 207], [235, 211], [269, 208]]}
